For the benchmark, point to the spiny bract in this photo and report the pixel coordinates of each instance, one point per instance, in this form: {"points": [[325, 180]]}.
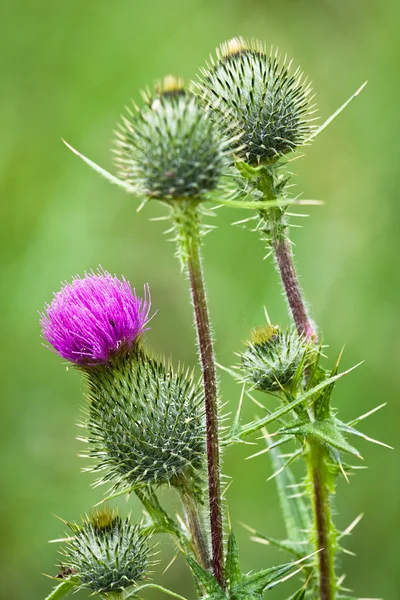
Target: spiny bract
{"points": [[271, 358], [106, 553], [170, 148], [267, 105], [145, 422]]}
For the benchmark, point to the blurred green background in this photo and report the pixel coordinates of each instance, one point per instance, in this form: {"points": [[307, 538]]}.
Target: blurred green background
{"points": [[67, 70]]}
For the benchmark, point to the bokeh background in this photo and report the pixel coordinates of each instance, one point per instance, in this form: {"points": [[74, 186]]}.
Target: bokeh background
{"points": [[67, 70]]}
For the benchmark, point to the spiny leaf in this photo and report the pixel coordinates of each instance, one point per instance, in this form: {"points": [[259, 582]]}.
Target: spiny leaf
{"points": [[256, 583], [62, 589], [324, 432], [323, 403], [295, 511], [351, 430], [206, 579], [246, 430], [162, 522], [232, 567]]}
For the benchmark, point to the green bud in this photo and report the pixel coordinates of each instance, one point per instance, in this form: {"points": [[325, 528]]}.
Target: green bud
{"points": [[106, 554], [268, 106], [271, 358], [145, 422], [170, 149]]}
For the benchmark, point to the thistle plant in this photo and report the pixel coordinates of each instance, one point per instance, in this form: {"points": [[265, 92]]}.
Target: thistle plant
{"points": [[226, 138]]}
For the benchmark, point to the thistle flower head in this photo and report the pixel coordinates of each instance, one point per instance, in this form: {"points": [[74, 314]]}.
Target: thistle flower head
{"points": [[106, 553], [271, 358], [94, 317], [170, 149], [268, 105], [145, 422]]}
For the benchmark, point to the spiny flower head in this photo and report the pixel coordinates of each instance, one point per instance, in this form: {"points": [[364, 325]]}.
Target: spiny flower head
{"points": [[94, 317], [170, 148], [272, 358], [106, 553], [145, 422], [268, 105]]}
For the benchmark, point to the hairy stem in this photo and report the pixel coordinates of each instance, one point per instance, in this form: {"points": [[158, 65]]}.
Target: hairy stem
{"points": [[287, 270], [187, 225], [196, 526], [325, 538]]}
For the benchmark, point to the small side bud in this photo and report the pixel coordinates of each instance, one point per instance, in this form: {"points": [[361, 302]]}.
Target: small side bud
{"points": [[272, 358], [145, 423], [107, 554]]}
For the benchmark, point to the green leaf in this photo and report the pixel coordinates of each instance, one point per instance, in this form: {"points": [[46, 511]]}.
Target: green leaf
{"points": [[232, 568], [323, 432], [322, 406], [347, 429], [62, 589], [256, 583], [247, 170], [207, 580], [162, 522], [295, 511], [246, 430]]}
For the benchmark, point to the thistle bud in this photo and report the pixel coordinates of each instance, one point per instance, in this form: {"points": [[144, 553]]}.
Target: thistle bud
{"points": [[145, 423], [94, 318], [170, 149], [272, 358], [106, 554], [267, 105]]}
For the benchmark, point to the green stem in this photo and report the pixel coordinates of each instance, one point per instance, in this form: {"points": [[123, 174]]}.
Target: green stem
{"points": [[277, 232], [287, 270], [196, 527], [319, 476], [187, 223], [325, 537]]}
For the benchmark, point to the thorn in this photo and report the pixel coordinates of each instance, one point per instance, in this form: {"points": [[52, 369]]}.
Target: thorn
{"points": [[364, 416], [259, 540], [171, 562], [343, 471], [352, 525], [335, 114], [111, 178]]}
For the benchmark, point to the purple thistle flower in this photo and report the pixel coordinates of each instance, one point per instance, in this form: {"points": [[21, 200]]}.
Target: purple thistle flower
{"points": [[91, 318]]}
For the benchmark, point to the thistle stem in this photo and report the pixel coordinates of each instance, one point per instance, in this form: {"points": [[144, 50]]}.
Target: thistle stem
{"points": [[187, 223], [196, 527], [287, 270], [325, 537], [324, 529]]}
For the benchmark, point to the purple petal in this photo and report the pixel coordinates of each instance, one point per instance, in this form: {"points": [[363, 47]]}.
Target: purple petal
{"points": [[89, 319]]}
